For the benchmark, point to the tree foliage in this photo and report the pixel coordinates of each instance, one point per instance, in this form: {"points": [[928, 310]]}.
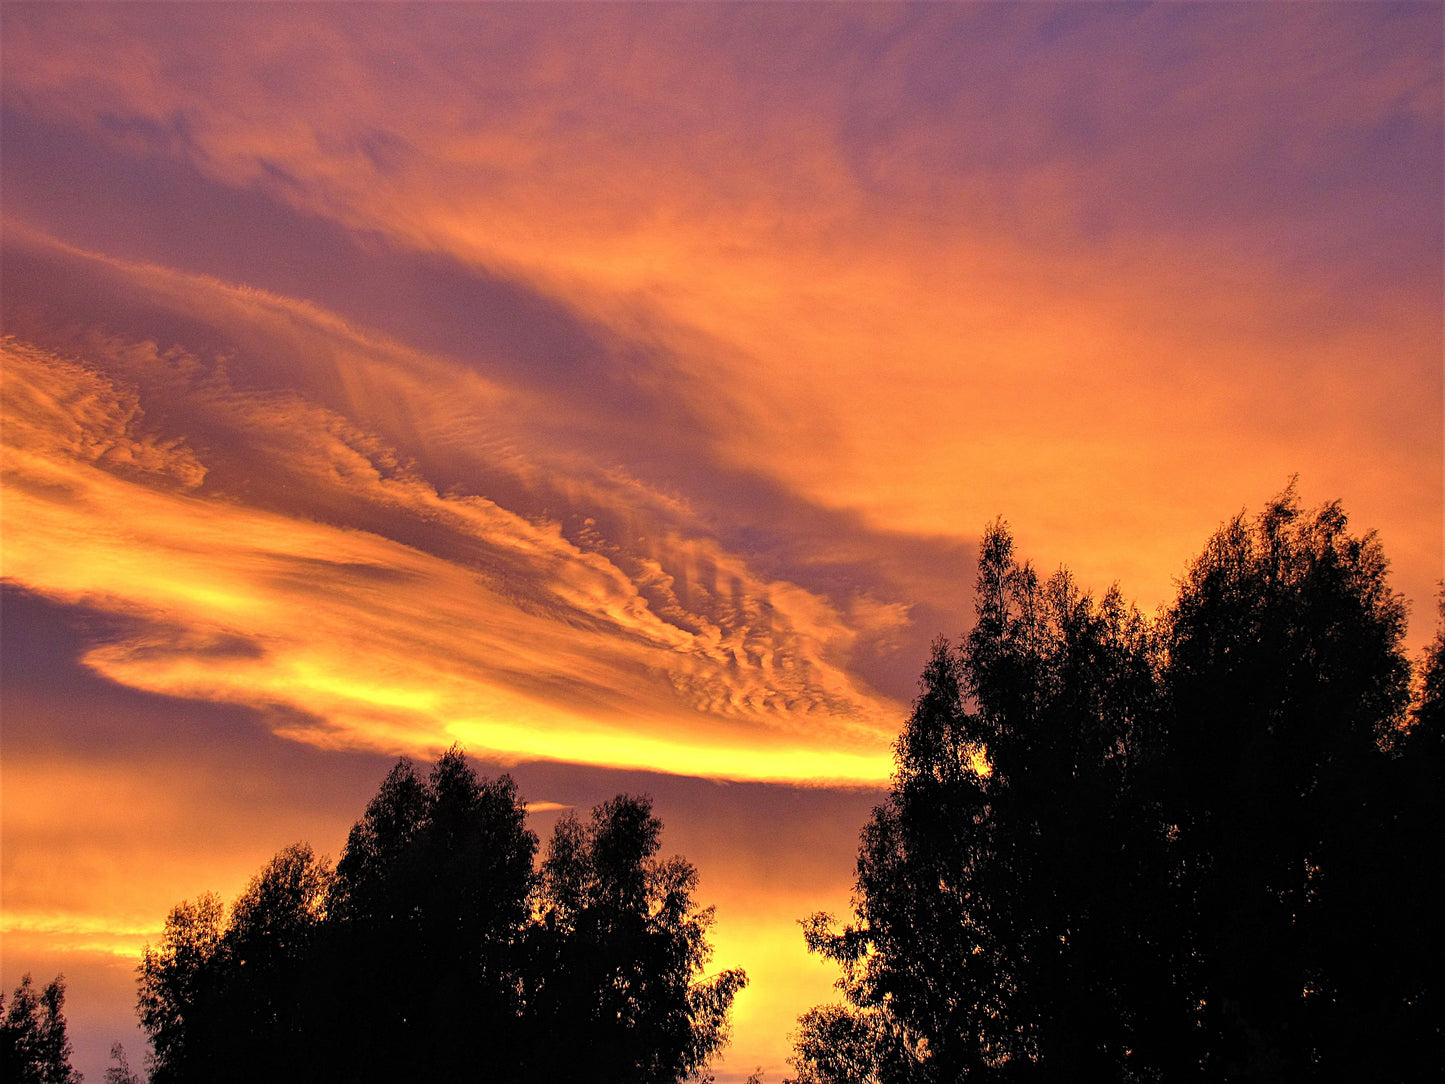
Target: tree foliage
{"points": [[615, 952], [1126, 849], [224, 998], [438, 950], [119, 1071], [431, 899], [1287, 683], [34, 1048]]}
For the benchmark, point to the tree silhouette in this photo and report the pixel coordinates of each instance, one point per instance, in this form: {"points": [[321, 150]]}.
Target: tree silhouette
{"points": [[436, 951], [180, 990], [991, 883], [1285, 676], [1117, 849], [34, 1048], [617, 952], [119, 1071], [429, 904], [227, 999], [1376, 939]]}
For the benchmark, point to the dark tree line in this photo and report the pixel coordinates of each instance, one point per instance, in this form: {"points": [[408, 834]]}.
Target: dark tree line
{"points": [[34, 1048], [438, 949], [1196, 848]]}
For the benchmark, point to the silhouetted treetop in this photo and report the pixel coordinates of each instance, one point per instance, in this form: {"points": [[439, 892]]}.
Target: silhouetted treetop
{"points": [[34, 1047], [619, 947], [1183, 849], [439, 951], [378, 847], [1426, 735], [278, 914]]}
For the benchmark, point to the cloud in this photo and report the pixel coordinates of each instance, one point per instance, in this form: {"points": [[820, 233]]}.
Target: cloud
{"points": [[487, 626], [113, 817], [919, 266], [627, 384]]}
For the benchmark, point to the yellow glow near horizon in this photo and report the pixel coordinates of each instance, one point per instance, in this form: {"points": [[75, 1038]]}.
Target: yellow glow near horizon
{"points": [[628, 385], [71, 932], [761, 933], [746, 761]]}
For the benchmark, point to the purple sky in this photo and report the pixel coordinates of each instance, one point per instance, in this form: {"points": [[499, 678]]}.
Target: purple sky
{"points": [[621, 390]]}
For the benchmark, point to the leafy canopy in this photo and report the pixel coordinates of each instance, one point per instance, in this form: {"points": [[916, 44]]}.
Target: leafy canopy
{"points": [[34, 1048], [1125, 849], [438, 949]]}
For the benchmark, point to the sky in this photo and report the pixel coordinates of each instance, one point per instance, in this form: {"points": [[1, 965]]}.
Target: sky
{"points": [[620, 391]]}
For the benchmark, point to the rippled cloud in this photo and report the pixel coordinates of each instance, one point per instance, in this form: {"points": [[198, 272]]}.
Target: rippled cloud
{"points": [[626, 385], [856, 252], [279, 554]]}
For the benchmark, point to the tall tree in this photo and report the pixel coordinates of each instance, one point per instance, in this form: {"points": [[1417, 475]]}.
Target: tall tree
{"points": [[431, 896], [34, 1048], [269, 984], [181, 984], [227, 998], [436, 951], [1123, 850], [990, 885], [1287, 680], [618, 953]]}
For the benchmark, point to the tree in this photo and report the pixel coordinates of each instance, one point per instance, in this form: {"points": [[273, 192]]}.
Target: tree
{"points": [[1287, 681], [269, 952], [180, 987], [617, 954], [437, 951], [837, 1044], [1117, 849], [120, 1071], [1428, 728], [991, 882], [431, 898], [225, 998], [34, 1048], [1375, 939]]}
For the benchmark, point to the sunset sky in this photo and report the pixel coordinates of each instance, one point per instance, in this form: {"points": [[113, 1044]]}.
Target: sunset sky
{"points": [[621, 390]]}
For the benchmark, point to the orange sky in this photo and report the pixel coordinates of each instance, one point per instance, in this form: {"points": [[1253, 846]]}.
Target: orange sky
{"points": [[620, 390]]}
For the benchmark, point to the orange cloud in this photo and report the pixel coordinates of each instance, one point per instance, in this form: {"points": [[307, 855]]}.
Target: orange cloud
{"points": [[1032, 304], [527, 648], [625, 384]]}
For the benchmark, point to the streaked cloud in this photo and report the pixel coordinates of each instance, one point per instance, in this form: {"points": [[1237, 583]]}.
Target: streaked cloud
{"points": [[858, 251], [625, 385], [517, 641]]}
